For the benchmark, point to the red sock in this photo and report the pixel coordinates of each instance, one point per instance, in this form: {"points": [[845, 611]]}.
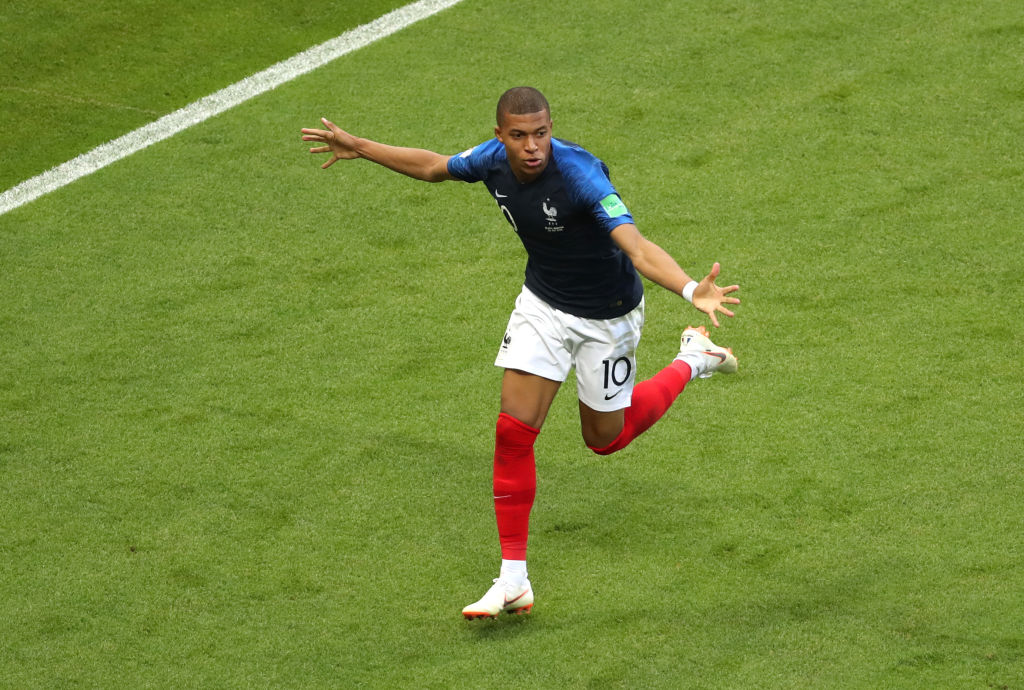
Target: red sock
{"points": [[515, 484], [651, 399]]}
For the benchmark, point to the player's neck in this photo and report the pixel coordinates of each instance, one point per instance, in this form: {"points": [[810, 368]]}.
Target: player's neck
{"points": [[524, 178]]}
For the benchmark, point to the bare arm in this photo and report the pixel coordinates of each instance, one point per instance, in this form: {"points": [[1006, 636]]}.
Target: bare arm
{"points": [[655, 264], [417, 163]]}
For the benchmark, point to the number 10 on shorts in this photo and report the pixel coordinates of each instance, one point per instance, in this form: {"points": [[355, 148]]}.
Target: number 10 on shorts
{"points": [[617, 371]]}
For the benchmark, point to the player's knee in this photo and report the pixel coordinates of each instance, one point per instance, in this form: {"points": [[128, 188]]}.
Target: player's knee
{"points": [[513, 432], [601, 429], [601, 443]]}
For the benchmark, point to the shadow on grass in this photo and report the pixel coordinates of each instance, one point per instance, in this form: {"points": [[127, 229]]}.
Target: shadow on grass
{"points": [[503, 627]]}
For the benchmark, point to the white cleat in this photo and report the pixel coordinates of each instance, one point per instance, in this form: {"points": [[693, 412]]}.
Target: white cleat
{"points": [[696, 340], [502, 597]]}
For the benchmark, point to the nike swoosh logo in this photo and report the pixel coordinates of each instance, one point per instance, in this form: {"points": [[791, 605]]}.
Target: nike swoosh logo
{"points": [[609, 397], [720, 355], [512, 601], [499, 195]]}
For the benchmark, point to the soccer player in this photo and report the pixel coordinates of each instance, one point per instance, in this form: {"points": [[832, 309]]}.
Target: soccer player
{"points": [[581, 305]]}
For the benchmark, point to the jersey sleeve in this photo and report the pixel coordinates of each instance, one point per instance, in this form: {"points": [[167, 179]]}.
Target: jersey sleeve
{"points": [[593, 189], [610, 212], [472, 165]]}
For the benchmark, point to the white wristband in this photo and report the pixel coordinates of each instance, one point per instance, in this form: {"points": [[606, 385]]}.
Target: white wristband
{"points": [[688, 291]]}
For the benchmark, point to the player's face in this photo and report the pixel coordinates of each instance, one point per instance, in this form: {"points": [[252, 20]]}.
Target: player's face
{"points": [[527, 140]]}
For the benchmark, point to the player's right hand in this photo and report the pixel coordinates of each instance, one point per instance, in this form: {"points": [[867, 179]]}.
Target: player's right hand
{"points": [[339, 143]]}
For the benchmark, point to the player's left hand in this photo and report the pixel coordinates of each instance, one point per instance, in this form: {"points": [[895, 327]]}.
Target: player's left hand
{"points": [[710, 298]]}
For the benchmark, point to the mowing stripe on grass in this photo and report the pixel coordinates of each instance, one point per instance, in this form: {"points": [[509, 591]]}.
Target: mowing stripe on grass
{"points": [[218, 102]]}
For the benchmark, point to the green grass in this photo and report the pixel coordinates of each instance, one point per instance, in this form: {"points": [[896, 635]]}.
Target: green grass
{"points": [[247, 406], [76, 77]]}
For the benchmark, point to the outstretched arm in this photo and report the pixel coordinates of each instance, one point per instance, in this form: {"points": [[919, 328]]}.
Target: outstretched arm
{"points": [[655, 264], [417, 163]]}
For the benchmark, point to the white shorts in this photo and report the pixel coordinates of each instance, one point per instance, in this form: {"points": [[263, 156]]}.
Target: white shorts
{"points": [[548, 342]]}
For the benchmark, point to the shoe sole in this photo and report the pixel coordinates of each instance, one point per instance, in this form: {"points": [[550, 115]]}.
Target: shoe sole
{"points": [[476, 615]]}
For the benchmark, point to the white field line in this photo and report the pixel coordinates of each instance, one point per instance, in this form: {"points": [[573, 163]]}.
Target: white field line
{"points": [[216, 103]]}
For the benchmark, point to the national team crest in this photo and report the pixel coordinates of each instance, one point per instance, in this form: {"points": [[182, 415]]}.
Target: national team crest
{"points": [[551, 212]]}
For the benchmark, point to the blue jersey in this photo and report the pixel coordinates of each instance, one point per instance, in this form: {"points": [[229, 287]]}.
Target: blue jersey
{"points": [[564, 219]]}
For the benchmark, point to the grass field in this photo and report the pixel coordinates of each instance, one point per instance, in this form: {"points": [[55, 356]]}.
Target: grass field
{"points": [[247, 406]]}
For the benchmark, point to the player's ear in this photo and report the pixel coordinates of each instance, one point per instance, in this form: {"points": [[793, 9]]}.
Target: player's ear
{"points": [[497, 134]]}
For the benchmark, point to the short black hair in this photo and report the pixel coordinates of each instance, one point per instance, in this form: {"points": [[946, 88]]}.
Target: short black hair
{"points": [[521, 100]]}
